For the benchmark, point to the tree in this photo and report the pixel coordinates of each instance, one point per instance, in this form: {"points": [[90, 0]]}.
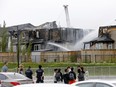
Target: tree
{"points": [[25, 49], [11, 45], [23, 52], [4, 38]]}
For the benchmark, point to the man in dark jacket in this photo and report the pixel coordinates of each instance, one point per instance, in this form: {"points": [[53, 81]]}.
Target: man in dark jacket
{"points": [[40, 75], [66, 76], [29, 73]]}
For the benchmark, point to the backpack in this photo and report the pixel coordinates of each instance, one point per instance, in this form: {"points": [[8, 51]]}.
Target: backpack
{"points": [[58, 76], [81, 76], [71, 76]]}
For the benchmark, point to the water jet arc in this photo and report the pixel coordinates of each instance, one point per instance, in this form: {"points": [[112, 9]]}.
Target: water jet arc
{"points": [[57, 45]]}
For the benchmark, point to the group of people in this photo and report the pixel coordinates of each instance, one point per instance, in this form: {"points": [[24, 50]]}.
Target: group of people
{"points": [[39, 74], [69, 76], [28, 72]]}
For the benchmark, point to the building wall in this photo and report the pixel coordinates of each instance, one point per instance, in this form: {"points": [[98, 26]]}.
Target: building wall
{"points": [[101, 46], [113, 36], [35, 56], [111, 30]]}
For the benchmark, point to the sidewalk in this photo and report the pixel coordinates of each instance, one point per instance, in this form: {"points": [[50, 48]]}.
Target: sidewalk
{"points": [[49, 79]]}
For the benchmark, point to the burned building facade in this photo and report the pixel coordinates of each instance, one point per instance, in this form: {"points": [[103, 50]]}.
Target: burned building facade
{"points": [[106, 38], [39, 36], [56, 35]]}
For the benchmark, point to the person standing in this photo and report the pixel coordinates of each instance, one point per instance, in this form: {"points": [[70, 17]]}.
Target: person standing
{"points": [[86, 75], [58, 76], [29, 73], [21, 69], [72, 76], [66, 76], [78, 68], [80, 75], [55, 71], [68, 68], [40, 75], [5, 67], [83, 72]]}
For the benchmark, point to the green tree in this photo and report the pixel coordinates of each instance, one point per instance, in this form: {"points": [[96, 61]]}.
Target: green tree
{"points": [[11, 46], [22, 47], [25, 50], [4, 38], [73, 58]]}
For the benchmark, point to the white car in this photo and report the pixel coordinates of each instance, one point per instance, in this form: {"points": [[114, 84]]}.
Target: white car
{"points": [[10, 79], [95, 83], [45, 85]]}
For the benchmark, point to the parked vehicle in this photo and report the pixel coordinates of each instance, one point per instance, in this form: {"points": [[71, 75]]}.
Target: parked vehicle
{"points": [[95, 83], [45, 85], [10, 79]]}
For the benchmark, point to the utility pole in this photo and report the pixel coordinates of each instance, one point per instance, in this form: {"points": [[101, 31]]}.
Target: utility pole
{"points": [[18, 33], [17, 44]]}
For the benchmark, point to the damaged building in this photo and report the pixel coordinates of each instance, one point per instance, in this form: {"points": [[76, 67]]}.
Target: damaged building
{"points": [[39, 36], [106, 38]]}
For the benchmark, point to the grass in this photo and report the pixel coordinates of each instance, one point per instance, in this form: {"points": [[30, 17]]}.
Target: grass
{"points": [[61, 64], [93, 68]]}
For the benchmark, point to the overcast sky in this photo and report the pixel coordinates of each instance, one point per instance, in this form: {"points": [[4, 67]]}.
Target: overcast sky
{"points": [[86, 14]]}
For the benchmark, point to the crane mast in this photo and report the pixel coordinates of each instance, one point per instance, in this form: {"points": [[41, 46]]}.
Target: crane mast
{"points": [[67, 15]]}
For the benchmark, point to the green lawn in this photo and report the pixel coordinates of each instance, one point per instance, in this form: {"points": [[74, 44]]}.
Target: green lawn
{"points": [[94, 69]]}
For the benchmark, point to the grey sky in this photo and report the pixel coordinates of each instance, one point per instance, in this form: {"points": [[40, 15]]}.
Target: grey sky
{"points": [[83, 13]]}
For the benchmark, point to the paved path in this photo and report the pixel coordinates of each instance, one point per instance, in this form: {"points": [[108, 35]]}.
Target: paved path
{"points": [[49, 79]]}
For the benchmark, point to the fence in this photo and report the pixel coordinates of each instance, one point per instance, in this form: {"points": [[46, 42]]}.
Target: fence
{"points": [[72, 56], [99, 58], [12, 57], [76, 58], [64, 58]]}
